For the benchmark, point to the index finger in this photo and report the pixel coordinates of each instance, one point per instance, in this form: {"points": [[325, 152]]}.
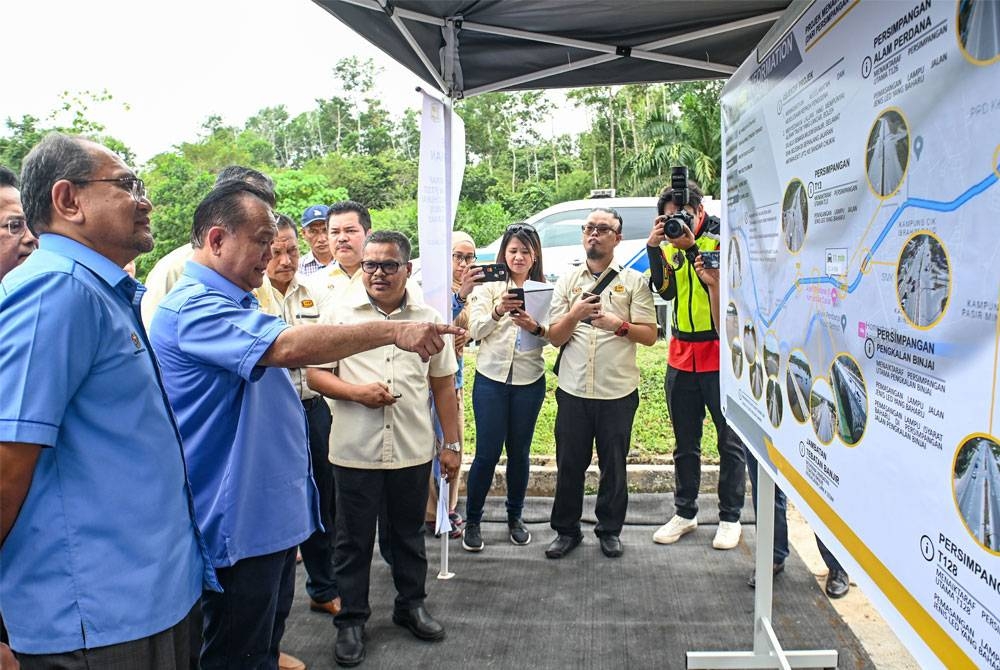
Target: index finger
{"points": [[448, 329]]}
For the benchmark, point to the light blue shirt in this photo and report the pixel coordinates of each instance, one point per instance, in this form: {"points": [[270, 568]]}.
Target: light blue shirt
{"points": [[243, 425], [105, 549]]}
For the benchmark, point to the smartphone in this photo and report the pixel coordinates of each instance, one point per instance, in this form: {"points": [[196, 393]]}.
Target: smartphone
{"points": [[518, 293], [710, 259], [493, 272], [589, 297]]}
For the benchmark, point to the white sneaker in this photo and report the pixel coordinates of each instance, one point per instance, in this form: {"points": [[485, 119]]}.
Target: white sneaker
{"points": [[674, 529], [728, 535]]}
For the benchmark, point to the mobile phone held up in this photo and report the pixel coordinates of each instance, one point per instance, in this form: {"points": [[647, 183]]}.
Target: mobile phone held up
{"points": [[589, 297], [518, 294], [493, 272], [710, 259]]}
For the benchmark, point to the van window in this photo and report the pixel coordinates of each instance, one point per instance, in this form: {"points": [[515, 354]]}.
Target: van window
{"points": [[563, 229]]}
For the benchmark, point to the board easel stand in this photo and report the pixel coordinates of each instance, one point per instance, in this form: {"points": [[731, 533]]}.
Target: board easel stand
{"points": [[767, 651]]}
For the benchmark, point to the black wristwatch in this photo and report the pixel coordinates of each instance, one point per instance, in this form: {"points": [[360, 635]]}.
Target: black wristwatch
{"points": [[538, 331]]}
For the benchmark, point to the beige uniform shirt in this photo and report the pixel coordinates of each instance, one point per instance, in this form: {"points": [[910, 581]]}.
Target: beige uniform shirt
{"points": [[399, 435], [325, 283], [161, 279], [598, 364], [296, 307], [498, 357]]}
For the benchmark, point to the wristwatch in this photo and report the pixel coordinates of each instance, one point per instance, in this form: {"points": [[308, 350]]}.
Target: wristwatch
{"points": [[623, 329], [453, 446]]}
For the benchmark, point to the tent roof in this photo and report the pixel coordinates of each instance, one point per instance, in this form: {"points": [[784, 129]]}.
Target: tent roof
{"points": [[467, 47]]}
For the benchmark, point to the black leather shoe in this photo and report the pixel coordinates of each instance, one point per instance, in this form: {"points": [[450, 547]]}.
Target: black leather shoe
{"points": [[611, 546], [350, 647], [776, 569], [562, 545], [420, 623], [837, 584]]}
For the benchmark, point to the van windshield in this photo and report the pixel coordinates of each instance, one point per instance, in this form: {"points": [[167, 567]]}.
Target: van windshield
{"points": [[564, 228]]}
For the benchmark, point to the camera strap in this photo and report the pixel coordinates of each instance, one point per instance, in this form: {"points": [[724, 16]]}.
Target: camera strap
{"points": [[597, 290]]}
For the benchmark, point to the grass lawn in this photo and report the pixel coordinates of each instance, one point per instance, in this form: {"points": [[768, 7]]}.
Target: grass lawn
{"points": [[652, 433]]}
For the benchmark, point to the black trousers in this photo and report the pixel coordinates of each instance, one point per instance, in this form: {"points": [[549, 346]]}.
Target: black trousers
{"points": [[167, 650], [688, 394], [317, 550], [360, 495], [244, 624], [580, 423]]}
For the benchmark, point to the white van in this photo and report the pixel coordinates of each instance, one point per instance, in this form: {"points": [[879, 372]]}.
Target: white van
{"points": [[560, 229]]}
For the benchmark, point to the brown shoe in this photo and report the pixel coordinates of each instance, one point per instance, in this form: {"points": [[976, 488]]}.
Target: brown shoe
{"points": [[332, 608], [289, 662]]}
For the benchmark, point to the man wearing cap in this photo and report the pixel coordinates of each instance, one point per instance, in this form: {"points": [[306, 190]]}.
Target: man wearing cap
{"points": [[314, 230]]}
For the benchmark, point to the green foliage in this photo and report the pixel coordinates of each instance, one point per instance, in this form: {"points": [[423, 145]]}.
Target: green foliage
{"points": [[485, 221], [176, 186], [402, 218], [295, 190]]}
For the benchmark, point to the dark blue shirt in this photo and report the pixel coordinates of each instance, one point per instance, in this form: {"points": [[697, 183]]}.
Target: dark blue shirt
{"points": [[243, 425], [105, 548]]}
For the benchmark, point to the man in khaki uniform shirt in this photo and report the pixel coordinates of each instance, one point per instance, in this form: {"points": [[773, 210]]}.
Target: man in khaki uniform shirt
{"points": [[282, 295], [598, 383], [383, 445]]}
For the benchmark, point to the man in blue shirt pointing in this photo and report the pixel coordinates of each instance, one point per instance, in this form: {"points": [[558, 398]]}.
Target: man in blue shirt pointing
{"points": [[102, 561], [243, 426]]}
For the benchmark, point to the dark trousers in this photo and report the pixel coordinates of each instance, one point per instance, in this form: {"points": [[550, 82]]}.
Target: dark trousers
{"points": [[360, 496], [780, 510], [167, 650], [317, 550], [580, 423], [504, 413], [781, 521], [243, 625], [688, 394]]}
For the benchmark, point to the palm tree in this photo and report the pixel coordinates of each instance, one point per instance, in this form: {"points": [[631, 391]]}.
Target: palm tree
{"points": [[686, 132]]}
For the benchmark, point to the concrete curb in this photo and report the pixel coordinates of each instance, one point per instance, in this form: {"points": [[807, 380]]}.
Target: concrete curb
{"points": [[642, 478]]}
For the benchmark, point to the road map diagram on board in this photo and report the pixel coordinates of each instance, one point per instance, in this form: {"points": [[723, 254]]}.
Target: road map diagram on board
{"points": [[862, 246]]}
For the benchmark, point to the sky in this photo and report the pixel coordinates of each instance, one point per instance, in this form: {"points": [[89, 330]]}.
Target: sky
{"points": [[174, 63]]}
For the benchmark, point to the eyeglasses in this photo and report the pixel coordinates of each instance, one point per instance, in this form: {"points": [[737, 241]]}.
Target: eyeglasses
{"points": [[515, 228], [15, 226], [387, 267], [133, 185], [600, 230], [468, 259]]}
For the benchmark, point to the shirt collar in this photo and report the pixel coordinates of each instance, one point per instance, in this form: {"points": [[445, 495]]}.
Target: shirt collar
{"points": [[100, 265], [358, 298], [214, 280]]}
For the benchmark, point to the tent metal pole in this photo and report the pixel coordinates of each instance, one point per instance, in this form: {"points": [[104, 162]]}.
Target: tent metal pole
{"points": [[715, 30], [541, 74], [408, 36]]}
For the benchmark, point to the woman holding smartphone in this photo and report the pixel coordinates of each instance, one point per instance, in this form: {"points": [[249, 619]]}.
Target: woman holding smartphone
{"points": [[509, 386]]}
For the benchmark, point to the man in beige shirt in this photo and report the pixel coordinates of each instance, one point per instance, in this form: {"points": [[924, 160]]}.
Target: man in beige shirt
{"points": [[348, 224], [384, 444], [282, 295], [598, 382]]}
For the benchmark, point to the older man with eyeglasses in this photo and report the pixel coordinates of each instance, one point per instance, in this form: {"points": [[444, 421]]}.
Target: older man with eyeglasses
{"points": [[16, 239], [102, 561]]}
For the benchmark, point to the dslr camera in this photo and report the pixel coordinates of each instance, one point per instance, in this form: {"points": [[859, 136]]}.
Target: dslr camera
{"points": [[673, 226]]}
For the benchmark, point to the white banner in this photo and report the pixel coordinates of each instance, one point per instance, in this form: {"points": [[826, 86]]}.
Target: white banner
{"points": [[442, 166], [861, 240]]}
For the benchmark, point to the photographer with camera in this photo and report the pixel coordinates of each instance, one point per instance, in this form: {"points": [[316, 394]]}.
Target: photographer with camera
{"points": [[681, 233]]}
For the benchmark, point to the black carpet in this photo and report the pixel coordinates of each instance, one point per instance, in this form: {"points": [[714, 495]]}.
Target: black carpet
{"points": [[510, 607]]}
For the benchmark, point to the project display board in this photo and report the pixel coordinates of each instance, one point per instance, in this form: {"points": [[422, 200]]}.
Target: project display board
{"points": [[861, 239]]}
